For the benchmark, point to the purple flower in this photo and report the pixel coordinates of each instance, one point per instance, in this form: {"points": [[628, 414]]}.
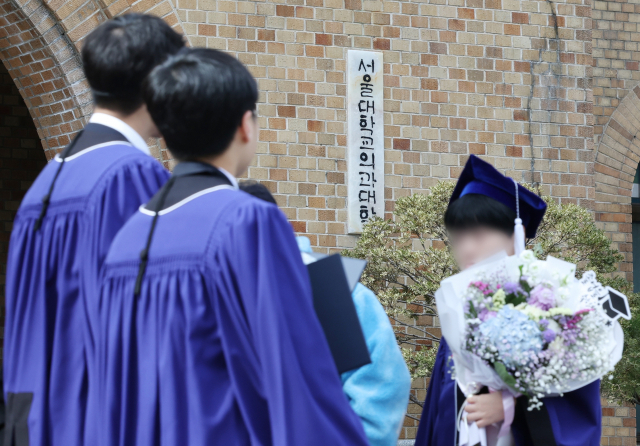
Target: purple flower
{"points": [[548, 335], [544, 323], [512, 288], [486, 314], [542, 297]]}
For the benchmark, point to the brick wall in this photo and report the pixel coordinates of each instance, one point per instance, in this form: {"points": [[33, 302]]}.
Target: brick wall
{"points": [[617, 157], [618, 424], [508, 79], [21, 159], [496, 78], [616, 53]]}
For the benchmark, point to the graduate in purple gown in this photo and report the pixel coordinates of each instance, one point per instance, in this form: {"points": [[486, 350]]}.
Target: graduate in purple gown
{"points": [[480, 221], [63, 230], [378, 392], [209, 335]]}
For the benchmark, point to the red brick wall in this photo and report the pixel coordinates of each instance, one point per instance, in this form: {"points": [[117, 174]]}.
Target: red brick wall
{"points": [[618, 424], [21, 159]]}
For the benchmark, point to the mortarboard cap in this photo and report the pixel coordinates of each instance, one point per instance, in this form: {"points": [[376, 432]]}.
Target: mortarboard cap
{"points": [[615, 304], [480, 177]]}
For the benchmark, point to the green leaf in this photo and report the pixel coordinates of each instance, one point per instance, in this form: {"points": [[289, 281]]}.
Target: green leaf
{"points": [[504, 375], [525, 286], [472, 310], [514, 299]]}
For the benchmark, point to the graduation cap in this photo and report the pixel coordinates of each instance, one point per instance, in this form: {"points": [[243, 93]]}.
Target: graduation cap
{"points": [[480, 177], [615, 305], [336, 312]]}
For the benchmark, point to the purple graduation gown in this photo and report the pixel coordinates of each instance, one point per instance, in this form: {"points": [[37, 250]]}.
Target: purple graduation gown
{"points": [[222, 345], [438, 422], [52, 282], [575, 419]]}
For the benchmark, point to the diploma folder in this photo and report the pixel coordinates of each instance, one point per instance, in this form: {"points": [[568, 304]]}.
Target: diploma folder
{"points": [[337, 313], [353, 268]]}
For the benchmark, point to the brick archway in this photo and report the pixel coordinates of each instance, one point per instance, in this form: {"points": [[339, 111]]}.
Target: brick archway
{"points": [[39, 43], [44, 66], [617, 158]]}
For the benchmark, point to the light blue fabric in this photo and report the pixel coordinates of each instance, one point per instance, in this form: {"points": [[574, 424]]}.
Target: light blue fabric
{"points": [[378, 392]]}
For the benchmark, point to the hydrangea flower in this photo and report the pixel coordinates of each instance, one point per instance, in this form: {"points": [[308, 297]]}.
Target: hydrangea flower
{"points": [[514, 335]]}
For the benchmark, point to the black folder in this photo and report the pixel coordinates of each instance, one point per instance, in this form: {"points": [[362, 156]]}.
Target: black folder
{"points": [[353, 268], [337, 313]]}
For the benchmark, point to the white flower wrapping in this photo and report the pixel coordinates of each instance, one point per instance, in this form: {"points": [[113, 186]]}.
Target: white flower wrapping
{"points": [[527, 326]]}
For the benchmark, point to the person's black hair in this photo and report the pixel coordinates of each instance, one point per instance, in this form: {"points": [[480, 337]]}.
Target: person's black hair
{"points": [[258, 190], [197, 99], [474, 211], [119, 54]]}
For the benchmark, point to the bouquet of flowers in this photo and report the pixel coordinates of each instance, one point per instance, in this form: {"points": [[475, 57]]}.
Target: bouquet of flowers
{"points": [[529, 326], [540, 330]]}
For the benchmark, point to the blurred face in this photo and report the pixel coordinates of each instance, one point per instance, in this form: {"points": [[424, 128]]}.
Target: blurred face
{"points": [[471, 246]]}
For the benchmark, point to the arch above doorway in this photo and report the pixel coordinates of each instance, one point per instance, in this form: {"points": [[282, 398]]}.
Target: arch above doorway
{"points": [[39, 43], [616, 162], [44, 66], [618, 152]]}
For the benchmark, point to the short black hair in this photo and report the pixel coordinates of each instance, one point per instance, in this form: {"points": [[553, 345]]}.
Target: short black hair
{"points": [[197, 99], [119, 54], [258, 190], [475, 210]]}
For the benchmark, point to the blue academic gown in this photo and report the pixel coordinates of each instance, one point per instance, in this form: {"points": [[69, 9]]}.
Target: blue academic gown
{"points": [[378, 392], [575, 418], [52, 281], [222, 345]]}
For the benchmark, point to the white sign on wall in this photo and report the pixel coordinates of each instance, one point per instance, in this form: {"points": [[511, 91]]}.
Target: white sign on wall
{"points": [[365, 132]]}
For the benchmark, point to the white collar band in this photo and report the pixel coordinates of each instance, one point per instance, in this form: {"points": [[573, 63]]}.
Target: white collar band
{"points": [[120, 126], [231, 178]]}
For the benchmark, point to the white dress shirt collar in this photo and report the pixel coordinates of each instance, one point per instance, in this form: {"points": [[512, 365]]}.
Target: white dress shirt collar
{"points": [[230, 177], [120, 126]]}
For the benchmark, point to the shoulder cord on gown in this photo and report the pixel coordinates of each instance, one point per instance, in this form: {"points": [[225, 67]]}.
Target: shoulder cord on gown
{"points": [[181, 170], [144, 254], [47, 198]]}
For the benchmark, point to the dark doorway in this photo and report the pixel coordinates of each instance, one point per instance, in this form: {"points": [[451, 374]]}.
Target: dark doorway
{"points": [[21, 159]]}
